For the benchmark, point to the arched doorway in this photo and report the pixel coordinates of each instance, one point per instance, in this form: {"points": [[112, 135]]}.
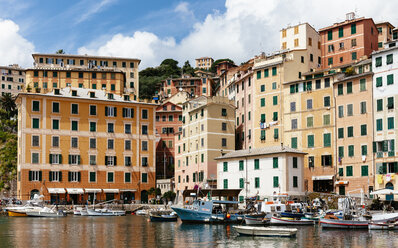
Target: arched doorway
{"points": [[33, 193], [144, 196], [390, 197]]}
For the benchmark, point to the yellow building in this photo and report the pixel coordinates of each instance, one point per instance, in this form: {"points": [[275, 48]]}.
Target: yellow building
{"points": [[309, 126], [95, 64], [77, 144], [208, 131]]}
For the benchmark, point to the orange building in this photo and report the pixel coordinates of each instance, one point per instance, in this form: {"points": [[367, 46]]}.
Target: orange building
{"points": [[168, 122], [345, 42]]}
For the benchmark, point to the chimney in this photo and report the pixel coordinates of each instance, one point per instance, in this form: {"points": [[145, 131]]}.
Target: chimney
{"points": [[282, 148], [350, 16]]}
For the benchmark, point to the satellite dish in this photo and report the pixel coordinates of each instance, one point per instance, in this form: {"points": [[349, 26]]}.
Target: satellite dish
{"points": [[180, 89]]}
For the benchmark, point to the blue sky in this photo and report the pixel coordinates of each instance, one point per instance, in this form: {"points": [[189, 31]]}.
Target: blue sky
{"points": [[156, 30]]}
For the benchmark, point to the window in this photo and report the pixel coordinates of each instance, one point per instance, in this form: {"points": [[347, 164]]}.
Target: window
{"points": [[74, 159], [295, 181], [55, 159], [93, 143], [224, 126], [326, 160], [294, 123], [330, 35], [378, 61], [225, 183], [364, 150], [93, 110], [294, 142], [350, 131], [349, 109], [223, 142], [262, 136], [353, 28], [241, 183], [340, 89], [363, 107], [55, 124], [295, 162], [144, 114], [111, 111], [390, 102], [276, 182], [310, 121], [390, 79], [341, 111], [354, 55], [348, 171], [35, 140], [35, 123], [363, 130], [326, 120], [310, 141], [362, 84], [275, 100], [35, 175], [311, 161], [74, 125], [93, 176], [390, 59], [256, 164], [127, 161], [225, 166], [275, 116], [349, 87], [110, 160], [55, 107], [262, 88], [93, 126], [341, 172], [327, 82], [110, 177], [144, 161], [262, 102], [55, 176], [379, 104], [341, 32], [74, 142], [274, 85], [274, 71], [340, 132], [326, 140], [293, 106], [223, 112], [258, 74], [330, 61], [326, 101], [256, 182], [350, 151], [36, 106], [111, 127], [341, 151], [390, 122], [309, 103], [144, 145], [127, 128], [275, 162], [364, 171], [144, 177], [55, 141]]}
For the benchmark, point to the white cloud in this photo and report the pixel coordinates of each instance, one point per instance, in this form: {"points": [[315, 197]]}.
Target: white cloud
{"points": [[183, 8], [246, 28], [91, 9], [13, 47]]}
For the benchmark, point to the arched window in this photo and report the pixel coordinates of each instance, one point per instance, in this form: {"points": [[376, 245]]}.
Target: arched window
{"points": [[33, 193]]}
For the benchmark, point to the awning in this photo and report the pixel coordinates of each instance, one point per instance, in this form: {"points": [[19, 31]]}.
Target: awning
{"points": [[341, 182], [56, 190], [75, 191], [92, 190], [128, 190], [111, 190], [330, 177]]}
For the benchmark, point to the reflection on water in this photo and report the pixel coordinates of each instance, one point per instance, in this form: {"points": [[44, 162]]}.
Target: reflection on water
{"points": [[136, 231]]}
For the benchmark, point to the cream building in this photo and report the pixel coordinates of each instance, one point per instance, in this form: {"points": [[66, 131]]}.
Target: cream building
{"points": [[12, 79], [204, 63], [208, 131]]}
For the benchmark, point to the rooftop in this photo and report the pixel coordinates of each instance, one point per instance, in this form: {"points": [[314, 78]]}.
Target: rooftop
{"points": [[73, 68], [82, 56], [345, 22], [260, 151]]}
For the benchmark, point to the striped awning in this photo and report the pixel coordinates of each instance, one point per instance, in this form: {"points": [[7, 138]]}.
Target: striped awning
{"points": [[111, 190], [56, 190], [78, 191]]}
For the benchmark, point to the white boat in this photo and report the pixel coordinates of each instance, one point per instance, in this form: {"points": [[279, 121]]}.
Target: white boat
{"points": [[141, 212], [256, 219], [77, 210], [383, 225], [356, 223], [46, 212], [385, 217], [105, 212], [266, 231], [290, 221]]}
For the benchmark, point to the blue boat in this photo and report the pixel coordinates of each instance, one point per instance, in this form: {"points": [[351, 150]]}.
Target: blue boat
{"points": [[208, 212], [292, 214]]}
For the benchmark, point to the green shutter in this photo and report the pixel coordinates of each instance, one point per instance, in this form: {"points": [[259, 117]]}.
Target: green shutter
{"points": [[40, 176], [262, 102], [225, 183], [390, 59], [50, 158], [241, 183], [364, 170], [275, 100], [276, 133], [294, 142], [241, 165], [225, 166], [330, 35], [258, 74], [30, 175], [257, 182], [256, 164], [50, 176], [379, 82], [276, 182], [326, 140], [341, 32], [390, 79], [310, 139], [341, 133], [341, 172], [275, 162], [266, 73], [350, 150], [262, 117], [341, 151], [353, 28]]}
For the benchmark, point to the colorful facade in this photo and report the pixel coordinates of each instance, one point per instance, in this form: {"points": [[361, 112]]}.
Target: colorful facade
{"points": [[12, 79], [204, 63]]}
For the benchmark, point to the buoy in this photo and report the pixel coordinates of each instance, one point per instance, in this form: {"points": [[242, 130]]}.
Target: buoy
{"points": [[228, 216]]}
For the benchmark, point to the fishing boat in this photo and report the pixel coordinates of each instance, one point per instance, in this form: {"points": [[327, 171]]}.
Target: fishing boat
{"points": [[141, 212], [46, 212], [356, 223], [290, 221], [256, 219], [383, 225], [266, 231], [292, 214], [104, 212], [213, 211], [159, 217]]}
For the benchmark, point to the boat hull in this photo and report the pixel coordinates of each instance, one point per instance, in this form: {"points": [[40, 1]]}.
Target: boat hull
{"points": [[190, 215], [344, 224], [280, 221], [291, 215], [255, 219], [266, 231], [16, 213], [383, 226], [91, 212], [45, 214], [155, 218]]}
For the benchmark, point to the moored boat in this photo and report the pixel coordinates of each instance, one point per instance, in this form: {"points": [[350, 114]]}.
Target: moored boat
{"points": [[256, 219], [104, 212], [290, 221], [17, 213], [383, 225], [357, 223], [292, 214], [153, 217], [46, 212], [266, 231]]}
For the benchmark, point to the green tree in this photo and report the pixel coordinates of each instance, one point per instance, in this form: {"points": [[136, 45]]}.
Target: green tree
{"points": [[213, 66], [60, 51], [7, 102], [169, 195], [187, 69]]}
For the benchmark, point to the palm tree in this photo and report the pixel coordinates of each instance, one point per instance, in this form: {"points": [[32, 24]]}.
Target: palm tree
{"points": [[60, 51], [7, 102]]}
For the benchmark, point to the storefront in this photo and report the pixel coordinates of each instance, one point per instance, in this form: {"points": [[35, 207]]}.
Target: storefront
{"points": [[127, 195], [110, 194], [323, 184], [75, 195], [57, 195]]}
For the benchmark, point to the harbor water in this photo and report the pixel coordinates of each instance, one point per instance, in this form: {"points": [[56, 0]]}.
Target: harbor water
{"points": [[136, 231]]}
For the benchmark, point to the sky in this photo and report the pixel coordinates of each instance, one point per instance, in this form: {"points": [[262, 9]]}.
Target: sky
{"points": [[154, 30]]}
